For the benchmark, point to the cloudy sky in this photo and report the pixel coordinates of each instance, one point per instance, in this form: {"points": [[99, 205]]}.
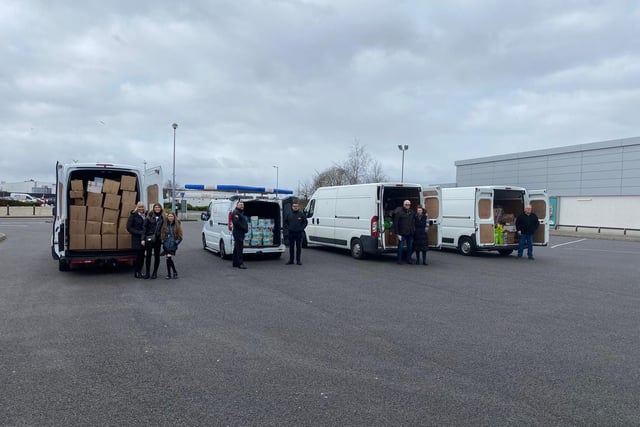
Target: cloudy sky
{"points": [[293, 83]]}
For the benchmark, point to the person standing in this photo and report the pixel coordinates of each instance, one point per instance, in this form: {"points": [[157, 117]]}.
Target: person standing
{"points": [[240, 228], [152, 240], [526, 224], [171, 237], [295, 222], [404, 227], [421, 235], [136, 227]]}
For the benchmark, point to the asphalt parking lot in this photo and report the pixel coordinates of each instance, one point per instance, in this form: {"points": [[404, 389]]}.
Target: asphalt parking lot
{"points": [[481, 340]]}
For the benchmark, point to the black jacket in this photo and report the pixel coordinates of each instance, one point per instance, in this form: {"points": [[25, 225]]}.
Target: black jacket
{"points": [[295, 221], [403, 221], [420, 240], [527, 224], [153, 226], [240, 226], [136, 227]]}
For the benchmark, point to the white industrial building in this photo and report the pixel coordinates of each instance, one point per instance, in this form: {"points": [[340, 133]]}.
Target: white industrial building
{"points": [[590, 185]]}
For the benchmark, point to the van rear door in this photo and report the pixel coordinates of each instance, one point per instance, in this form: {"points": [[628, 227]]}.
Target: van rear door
{"points": [[60, 212], [539, 201], [484, 217], [432, 202], [153, 186]]}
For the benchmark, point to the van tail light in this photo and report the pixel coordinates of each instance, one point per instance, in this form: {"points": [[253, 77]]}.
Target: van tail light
{"points": [[374, 226], [230, 221]]}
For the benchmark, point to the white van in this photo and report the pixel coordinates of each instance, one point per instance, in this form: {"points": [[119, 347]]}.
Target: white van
{"points": [[264, 215], [93, 203], [470, 214], [358, 217], [24, 197]]}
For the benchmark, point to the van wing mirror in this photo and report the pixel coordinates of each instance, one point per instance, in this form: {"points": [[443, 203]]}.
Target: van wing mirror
{"points": [[204, 216]]}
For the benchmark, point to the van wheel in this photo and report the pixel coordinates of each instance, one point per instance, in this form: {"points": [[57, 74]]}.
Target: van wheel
{"points": [[505, 252], [223, 251], [63, 266], [204, 242], [356, 249], [466, 246]]}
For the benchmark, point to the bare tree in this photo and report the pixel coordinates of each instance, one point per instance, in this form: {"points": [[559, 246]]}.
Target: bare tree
{"points": [[357, 165], [376, 174]]}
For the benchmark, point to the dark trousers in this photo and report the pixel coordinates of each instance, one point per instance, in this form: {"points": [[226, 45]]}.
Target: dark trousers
{"points": [[409, 240], [295, 244], [137, 264], [238, 246], [155, 249]]}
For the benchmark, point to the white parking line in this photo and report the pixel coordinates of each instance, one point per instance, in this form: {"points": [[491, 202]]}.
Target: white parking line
{"points": [[567, 243]]}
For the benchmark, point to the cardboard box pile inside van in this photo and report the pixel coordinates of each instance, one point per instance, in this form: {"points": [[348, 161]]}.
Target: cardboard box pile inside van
{"points": [[99, 212]]}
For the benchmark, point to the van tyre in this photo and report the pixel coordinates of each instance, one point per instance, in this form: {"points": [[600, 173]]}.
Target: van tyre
{"points": [[223, 251], [204, 242], [63, 266], [356, 249], [466, 246], [505, 252]]}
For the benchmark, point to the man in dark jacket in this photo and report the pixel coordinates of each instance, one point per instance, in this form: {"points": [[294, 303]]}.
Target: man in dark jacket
{"points": [[240, 228], [404, 226], [526, 224], [295, 222]]}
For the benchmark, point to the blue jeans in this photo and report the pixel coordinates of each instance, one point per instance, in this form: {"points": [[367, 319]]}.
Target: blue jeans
{"points": [[528, 239], [409, 240]]}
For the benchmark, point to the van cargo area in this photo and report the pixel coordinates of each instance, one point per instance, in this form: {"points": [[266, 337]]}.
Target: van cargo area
{"points": [[507, 205], [262, 209], [393, 199], [99, 202]]}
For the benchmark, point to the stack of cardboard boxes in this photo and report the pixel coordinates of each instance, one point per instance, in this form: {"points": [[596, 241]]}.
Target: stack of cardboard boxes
{"points": [[98, 217]]}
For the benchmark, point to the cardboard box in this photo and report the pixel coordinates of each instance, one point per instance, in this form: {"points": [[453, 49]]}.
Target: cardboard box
{"points": [[93, 241], [76, 194], [110, 186], [76, 226], [77, 202], [94, 187], [93, 227], [94, 214], [129, 198], [111, 201], [511, 237], [125, 211], [76, 241], [77, 185], [124, 241], [109, 241], [78, 213], [94, 199], [110, 215], [508, 218], [122, 225], [109, 228], [128, 183]]}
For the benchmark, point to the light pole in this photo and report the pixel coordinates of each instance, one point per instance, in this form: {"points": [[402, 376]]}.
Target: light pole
{"points": [[173, 179], [277, 177], [402, 148]]}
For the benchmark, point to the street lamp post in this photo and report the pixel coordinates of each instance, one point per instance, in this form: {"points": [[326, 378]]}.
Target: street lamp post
{"points": [[173, 179], [402, 148], [277, 177]]}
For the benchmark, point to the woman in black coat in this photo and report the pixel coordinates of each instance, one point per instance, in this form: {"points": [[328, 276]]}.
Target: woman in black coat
{"points": [[152, 239], [136, 227], [420, 238]]}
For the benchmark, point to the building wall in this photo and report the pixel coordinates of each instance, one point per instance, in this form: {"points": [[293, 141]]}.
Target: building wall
{"points": [[597, 184], [599, 169]]}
